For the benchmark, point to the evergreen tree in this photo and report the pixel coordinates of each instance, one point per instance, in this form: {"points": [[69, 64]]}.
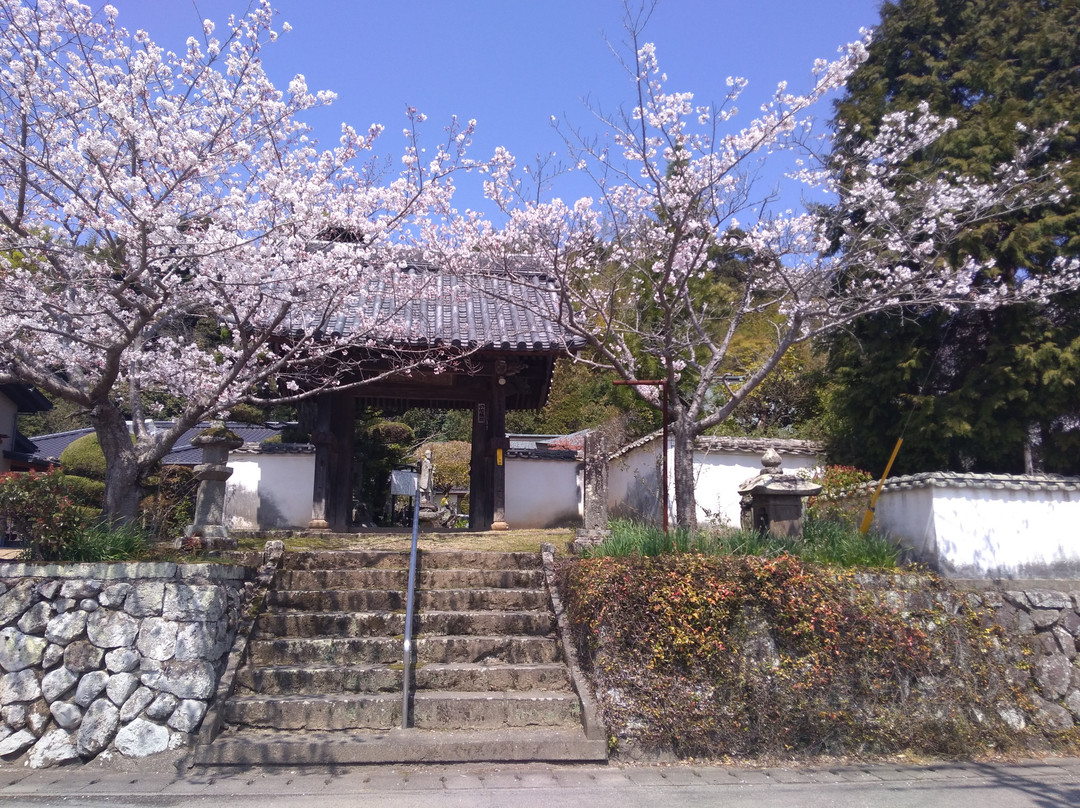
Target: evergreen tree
{"points": [[991, 391]]}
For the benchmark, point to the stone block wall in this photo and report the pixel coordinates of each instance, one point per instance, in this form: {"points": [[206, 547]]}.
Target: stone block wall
{"points": [[111, 656], [1041, 626], [1050, 622]]}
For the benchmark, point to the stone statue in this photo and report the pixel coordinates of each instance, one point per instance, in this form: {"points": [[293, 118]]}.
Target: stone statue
{"points": [[425, 485]]}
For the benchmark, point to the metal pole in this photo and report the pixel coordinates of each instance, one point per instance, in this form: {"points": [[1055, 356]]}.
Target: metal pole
{"points": [[410, 596], [663, 385]]}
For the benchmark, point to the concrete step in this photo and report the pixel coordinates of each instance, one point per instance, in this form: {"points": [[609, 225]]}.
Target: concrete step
{"points": [[429, 559], [467, 600], [345, 559], [340, 600], [431, 710], [289, 748], [379, 578], [388, 650], [393, 600], [458, 676], [329, 624], [319, 679], [382, 624]]}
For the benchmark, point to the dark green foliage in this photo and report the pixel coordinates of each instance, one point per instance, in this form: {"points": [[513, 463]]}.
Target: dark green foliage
{"points": [[583, 397], [439, 425], [62, 417], [379, 446], [978, 386], [247, 414], [749, 656]]}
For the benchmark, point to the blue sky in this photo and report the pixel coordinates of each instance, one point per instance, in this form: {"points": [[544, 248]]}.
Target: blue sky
{"points": [[512, 64]]}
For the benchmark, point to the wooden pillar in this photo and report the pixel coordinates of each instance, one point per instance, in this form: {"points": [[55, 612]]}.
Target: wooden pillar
{"points": [[323, 439], [339, 491], [481, 501], [499, 445]]}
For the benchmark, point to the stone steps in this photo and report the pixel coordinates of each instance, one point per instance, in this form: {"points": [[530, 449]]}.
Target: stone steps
{"points": [[363, 600], [466, 676], [388, 650], [324, 670], [430, 710], [433, 560], [357, 624], [398, 579]]}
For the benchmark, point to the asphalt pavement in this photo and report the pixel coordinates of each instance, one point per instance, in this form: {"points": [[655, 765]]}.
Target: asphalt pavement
{"points": [[1041, 783]]}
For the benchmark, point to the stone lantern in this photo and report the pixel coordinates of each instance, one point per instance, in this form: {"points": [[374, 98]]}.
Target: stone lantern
{"points": [[772, 502], [209, 524]]}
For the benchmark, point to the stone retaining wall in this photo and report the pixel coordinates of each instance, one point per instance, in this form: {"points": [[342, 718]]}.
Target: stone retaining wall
{"points": [[1041, 654], [111, 656]]}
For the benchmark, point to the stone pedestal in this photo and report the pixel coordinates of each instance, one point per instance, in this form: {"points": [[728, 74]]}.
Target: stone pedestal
{"points": [[773, 502], [209, 524]]}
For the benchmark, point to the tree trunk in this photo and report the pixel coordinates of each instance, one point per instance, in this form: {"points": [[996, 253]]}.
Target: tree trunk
{"points": [[121, 464], [685, 495]]}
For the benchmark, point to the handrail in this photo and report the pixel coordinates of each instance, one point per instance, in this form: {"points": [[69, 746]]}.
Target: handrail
{"points": [[408, 649]]}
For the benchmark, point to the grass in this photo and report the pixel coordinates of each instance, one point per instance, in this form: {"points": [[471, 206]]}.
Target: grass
{"points": [[823, 542], [104, 542]]}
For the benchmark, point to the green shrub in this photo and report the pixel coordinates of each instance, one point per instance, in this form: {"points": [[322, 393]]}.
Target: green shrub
{"points": [[85, 491], [83, 457], [749, 656], [38, 509], [842, 498]]}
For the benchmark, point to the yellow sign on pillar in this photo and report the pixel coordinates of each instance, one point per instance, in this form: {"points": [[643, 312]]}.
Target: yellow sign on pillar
{"points": [[498, 457]]}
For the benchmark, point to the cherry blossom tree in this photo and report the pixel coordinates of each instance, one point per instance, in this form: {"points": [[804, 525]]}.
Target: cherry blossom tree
{"points": [[678, 257], [147, 197]]}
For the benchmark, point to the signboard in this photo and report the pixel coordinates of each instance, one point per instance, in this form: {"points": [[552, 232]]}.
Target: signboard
{"points": [[403, 482]]}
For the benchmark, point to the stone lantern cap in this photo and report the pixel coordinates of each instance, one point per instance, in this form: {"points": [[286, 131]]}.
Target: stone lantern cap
{"points": [[772, 480]]}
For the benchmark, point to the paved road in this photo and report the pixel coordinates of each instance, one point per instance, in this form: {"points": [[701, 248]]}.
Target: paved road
{"points": [[1045, 783]]}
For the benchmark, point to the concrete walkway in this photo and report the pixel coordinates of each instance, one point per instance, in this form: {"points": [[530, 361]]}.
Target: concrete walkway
{"points": [[1041, 783]]}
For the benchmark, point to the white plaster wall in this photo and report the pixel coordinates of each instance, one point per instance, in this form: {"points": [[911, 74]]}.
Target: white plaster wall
{"points": [[8, 413], [268, 491], [634, 482], [907, 517], [542, 493], [986, 532], [719, 475]]}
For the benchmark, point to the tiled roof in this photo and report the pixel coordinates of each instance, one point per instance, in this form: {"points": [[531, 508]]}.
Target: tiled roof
{"points": [[543, 454], [724, 443], [26, 398], [1000, 482], [274, 448], [49, 447], [422, 305]]}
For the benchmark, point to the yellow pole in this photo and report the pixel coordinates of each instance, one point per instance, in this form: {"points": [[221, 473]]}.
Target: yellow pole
{"points": [[868, 516]]}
